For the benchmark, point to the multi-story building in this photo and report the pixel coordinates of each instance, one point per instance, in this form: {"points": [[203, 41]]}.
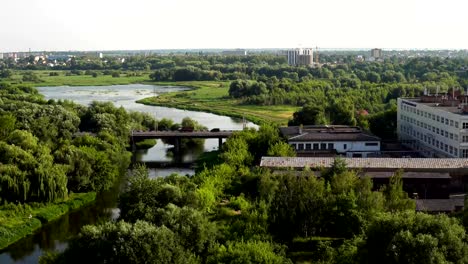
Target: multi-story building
{"points": [[236, 52], [376, 53], [297, 57], [331, 141], [435, 125]]}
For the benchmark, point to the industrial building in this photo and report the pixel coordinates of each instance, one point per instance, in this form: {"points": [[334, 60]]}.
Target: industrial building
{"points": [[331, 140], [435, 125]]}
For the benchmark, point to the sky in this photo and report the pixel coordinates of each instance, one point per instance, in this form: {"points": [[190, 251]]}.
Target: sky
{"points": [[48, 25]]}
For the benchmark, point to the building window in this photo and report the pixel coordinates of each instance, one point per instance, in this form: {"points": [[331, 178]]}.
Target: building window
{"points": [[446, 134], [451, 135], [465, 125], [451, 122], [323, 146], [464, 153], [316, 146], [345, 146], [456, 152], [330, 145], [456, 124], [456, 137], [438, 118], [464, 139], [308, 146], [446, 121], [301, 146]]}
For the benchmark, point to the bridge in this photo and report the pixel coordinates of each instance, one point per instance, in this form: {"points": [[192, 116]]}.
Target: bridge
{"points": [[178, 135]]}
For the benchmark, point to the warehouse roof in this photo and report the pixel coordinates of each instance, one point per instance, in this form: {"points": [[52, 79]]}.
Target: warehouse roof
{"points": [[365, 163], [327, 133]]}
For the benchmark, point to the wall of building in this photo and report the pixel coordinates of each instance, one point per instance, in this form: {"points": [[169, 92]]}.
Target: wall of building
{"points": [[347, 148], [432, 131]]}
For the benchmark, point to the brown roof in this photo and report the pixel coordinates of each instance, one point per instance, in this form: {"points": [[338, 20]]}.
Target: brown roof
{"points": [[365, 163], [327, 133]]}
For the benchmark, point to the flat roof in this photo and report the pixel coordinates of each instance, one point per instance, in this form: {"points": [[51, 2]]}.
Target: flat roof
{"points": [[327, 133], [450, 109], [366, 163]]}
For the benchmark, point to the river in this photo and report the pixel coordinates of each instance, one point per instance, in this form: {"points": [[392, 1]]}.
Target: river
{"points": [[54, 236]]}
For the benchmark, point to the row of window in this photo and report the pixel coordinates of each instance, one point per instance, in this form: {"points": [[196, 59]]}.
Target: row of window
{"points": [[428, 127], [434, 117], [324, 146], [431, 141], [314, 146]]}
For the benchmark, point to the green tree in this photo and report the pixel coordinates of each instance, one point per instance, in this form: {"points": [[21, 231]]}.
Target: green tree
{"points": [[123, 243]]}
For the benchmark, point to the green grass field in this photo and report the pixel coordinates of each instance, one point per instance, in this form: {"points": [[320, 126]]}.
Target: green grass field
{"points": [[79, 80], [213, 97]]}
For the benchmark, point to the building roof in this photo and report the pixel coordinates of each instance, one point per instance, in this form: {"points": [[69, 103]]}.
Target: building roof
{"points": [[326, 133], [366, 163], [455, 109], [439, 205]]}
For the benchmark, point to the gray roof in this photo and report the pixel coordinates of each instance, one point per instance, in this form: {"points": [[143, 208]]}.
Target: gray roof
{"points": [[327, 133], [439, 205], [366, 163]]}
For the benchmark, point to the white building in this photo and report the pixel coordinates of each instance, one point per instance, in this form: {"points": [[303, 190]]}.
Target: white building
{"points": [[331, 140], [300, 56], [437, 126]]}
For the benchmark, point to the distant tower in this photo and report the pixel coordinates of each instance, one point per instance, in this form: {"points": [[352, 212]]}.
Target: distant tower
{"points": [[376, 53], [316, 55], [302, 56]]}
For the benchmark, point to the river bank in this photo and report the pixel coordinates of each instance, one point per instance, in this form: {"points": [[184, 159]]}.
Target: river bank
{"points": [[19, 221], [213, 97]]}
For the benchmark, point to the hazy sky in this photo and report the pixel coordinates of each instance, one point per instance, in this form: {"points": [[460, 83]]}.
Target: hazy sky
{"points": [[177, 24]]}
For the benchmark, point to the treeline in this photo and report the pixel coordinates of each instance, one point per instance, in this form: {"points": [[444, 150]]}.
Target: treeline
{"points": [[42, 158], [231, 212]]}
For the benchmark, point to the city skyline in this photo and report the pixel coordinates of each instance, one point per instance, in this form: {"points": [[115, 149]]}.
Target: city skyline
{"points": [[53, 25]]}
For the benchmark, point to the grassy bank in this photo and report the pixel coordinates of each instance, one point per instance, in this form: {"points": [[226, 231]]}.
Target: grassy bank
{"points": [[79, 80], [213, 97], [18, 221]]}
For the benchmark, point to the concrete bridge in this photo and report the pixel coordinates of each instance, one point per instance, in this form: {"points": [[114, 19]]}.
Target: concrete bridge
{"points": [[178, 135]]}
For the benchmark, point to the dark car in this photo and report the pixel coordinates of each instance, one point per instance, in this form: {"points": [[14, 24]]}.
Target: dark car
{"points": [[215, 130]]}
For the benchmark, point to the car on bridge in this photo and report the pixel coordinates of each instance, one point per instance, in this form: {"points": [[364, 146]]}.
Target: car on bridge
{"points": [[215, 130]]}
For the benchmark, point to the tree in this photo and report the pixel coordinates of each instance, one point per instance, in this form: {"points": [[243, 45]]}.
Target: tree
{"points": [[123, 243], [250, 252], [7, 125], [309, 115], [411, 237], [396, 198]]}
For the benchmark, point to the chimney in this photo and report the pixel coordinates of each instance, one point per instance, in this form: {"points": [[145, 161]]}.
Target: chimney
{"points": [[300, 129]]}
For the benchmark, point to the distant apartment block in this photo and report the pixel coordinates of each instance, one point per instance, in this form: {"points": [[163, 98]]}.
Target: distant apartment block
{"points": [[435, 125], [300, 57], [376, 53], [236, 52]]}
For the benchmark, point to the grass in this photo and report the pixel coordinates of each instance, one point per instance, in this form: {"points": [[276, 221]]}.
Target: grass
{"points": [[79, 80], [18, 221], [213, 97]]}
